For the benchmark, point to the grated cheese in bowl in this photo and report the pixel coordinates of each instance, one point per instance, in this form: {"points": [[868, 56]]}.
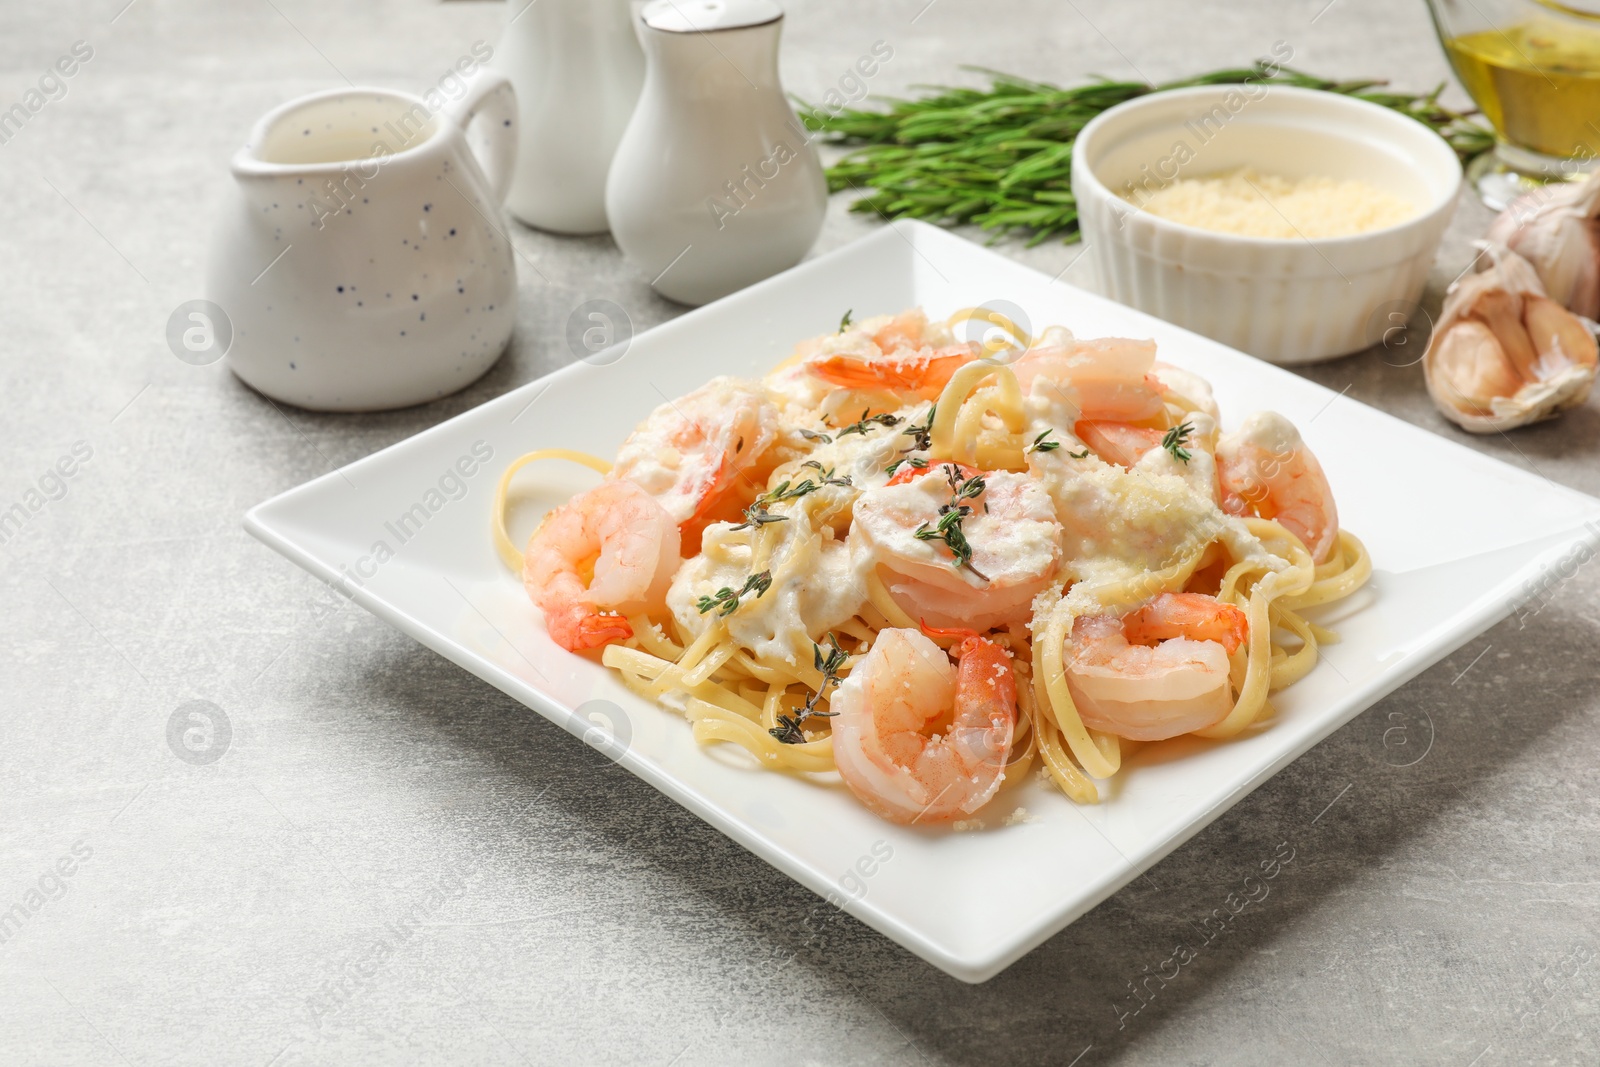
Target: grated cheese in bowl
{"points": [[1251, 203]]}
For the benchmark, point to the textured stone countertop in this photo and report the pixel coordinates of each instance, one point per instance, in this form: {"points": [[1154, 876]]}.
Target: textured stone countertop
{"points": [[1443, 912]]}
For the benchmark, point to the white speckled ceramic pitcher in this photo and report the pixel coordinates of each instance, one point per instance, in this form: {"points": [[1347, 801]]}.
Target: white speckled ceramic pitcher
{"points": [[361, 258]]}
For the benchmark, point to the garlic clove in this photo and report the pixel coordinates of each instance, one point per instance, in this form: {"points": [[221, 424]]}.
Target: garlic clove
{"points": [[1501, 311], [1560, 339], [1470, 370]]}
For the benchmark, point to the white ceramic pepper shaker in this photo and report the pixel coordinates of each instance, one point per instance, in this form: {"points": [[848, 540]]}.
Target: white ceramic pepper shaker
{"points": [[577, 69], [715, 184]]}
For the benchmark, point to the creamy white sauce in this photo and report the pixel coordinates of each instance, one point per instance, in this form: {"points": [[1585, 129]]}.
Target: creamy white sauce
{"points": [[1119, 525], [866, 457], [1268, 431], [677, 453], [816, 587], [1200, 470]]}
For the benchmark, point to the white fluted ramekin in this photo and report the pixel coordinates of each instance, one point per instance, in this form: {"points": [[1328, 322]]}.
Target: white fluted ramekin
{"points": [[1287, 300]]}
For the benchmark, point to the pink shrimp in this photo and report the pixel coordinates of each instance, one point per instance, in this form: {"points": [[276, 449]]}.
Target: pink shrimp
{"points": [[606, 553], [1265, 470], [907, 373], [1156, 672], [899, 358], [703, 456], [917, 740], [1117, 442], [1110, 378], [1192, 615], [1009, 527]]}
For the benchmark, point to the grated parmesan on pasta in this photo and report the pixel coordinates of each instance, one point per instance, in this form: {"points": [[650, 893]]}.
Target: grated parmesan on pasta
{"points": [[1251, 203]]}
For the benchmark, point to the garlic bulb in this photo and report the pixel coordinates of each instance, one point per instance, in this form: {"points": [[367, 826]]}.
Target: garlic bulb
{"points": [[1504, 354], [1555, 229]]}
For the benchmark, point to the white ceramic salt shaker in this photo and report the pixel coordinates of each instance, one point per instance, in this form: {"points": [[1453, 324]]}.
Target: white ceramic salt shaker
{"points": [[715, 184], [577, 69]]}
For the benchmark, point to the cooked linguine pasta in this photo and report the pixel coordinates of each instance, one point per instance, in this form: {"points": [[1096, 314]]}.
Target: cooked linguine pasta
{"points": [[926, 564]]}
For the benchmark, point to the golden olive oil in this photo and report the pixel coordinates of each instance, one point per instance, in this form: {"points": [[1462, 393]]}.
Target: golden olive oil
{"points": [[1538, 83]]}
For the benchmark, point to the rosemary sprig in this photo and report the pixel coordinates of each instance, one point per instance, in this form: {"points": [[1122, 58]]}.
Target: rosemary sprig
{"points": [[860, 425], [1175, 439], [726, 601], [1042, 443], [788, 729], [1001, 157], [844, 320], [948, 528]]}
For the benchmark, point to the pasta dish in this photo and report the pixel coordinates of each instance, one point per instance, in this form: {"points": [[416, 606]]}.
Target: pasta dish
{"points": [[931, 564]]}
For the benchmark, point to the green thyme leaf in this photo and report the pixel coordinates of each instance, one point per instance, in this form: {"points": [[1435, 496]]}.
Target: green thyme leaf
{"points": [[948, 528], [726, 600], [788, 731], [1043, 444], [861, 425], [1175, 439], [914, 462]]}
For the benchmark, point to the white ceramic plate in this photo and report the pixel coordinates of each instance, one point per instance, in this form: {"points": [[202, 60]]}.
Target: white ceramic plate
{"points": [[1457, 539]]}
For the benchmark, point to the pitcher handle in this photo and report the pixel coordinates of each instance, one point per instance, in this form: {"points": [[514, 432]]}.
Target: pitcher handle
{"points": [[491, 98]]}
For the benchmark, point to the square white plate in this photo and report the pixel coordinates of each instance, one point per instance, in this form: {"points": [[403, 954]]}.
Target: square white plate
{"points": [[1457, 539]]}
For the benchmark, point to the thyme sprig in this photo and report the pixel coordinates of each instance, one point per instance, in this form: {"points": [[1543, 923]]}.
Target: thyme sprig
{"points": [[788, 730], [1175, 439], [921, 434], [758, 515], [948, 527], [844, 320], [861, 425], [826, 474], [1042, 443], [814, 435], [1079, 455], [914, 462], [1000, 157], [726, 600]]}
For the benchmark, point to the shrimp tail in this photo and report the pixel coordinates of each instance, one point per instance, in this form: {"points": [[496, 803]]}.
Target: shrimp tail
{"points": [[578, 629], [966, 641], [958, 632], [985, 679]]}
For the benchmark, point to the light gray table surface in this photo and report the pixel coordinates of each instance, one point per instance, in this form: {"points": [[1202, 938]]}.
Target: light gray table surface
{"points": [[1442, 912]]}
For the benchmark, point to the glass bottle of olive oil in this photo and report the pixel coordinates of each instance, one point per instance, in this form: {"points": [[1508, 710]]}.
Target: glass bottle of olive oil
{"points": [[1538, 83]]}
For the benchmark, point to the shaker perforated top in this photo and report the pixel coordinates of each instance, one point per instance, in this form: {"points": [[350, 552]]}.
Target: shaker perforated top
{"points": [[706, 16]]}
